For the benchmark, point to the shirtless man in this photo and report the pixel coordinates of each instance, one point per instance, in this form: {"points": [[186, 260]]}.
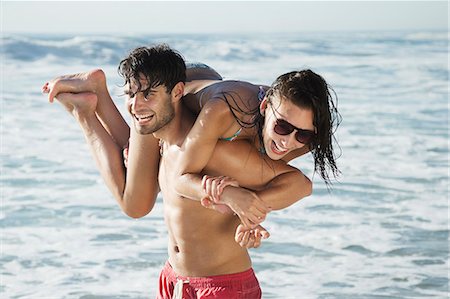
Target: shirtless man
{"points": [[204, 259]]}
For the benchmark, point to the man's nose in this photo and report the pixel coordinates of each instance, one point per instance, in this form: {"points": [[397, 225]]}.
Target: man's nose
{"points": [[137, 101]]}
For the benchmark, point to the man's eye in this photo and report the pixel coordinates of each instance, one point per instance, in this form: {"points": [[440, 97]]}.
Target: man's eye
{"points": [[148, 94]]}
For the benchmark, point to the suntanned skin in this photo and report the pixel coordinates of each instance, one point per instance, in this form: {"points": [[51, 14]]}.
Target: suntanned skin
{"points": [[201, 240], [213, 122], [240, 94], [211, 100], [107, 133]]}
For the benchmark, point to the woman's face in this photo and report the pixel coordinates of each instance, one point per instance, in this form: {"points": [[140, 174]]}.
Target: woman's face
{"points": [[287, 117]]}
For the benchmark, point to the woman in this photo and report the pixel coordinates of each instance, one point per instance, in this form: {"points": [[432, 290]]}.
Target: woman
{"points": [[295, 115]]}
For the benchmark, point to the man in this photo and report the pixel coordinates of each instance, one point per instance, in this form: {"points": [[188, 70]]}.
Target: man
{"points": [[204, 259]]}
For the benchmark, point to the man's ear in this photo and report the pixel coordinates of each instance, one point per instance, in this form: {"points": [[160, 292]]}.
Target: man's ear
{"points": [[177, 91], [263, 106]]}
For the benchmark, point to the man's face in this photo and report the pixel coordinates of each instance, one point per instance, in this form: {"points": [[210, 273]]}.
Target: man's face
{"points": [[151, 109]]}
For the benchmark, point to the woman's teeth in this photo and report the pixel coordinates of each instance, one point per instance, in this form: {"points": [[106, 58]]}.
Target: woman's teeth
{"points": [[277, 150]]}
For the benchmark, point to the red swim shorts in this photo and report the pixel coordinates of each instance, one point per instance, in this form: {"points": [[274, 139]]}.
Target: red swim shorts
{"points": [[242, 285]]}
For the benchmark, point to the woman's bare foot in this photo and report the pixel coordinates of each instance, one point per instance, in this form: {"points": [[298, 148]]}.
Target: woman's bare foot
{"points": [[75, 83], [80, 105]]}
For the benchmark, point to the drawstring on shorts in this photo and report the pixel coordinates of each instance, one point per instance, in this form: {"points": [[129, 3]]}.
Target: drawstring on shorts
{"points": [[178, 290]]}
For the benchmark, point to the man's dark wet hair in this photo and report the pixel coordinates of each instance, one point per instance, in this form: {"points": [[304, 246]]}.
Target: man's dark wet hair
{"points": [[308, 90], [160, 65]]}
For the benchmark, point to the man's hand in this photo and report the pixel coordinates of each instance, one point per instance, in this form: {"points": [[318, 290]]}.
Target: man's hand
{"points": [[213, 186], [250, 238], [246, 204], [125, 151], [207, 202], [250, 209]]}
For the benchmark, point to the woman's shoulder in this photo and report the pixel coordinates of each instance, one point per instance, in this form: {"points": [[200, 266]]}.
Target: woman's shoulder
{"points": [[241, 96]]}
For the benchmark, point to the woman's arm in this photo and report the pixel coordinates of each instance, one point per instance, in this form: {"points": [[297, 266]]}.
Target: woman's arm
{"points": [[212, 123], [296, 153], [286, 189]]}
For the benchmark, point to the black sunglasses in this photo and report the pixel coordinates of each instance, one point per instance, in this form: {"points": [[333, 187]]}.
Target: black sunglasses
{"points": [[283, 128]]}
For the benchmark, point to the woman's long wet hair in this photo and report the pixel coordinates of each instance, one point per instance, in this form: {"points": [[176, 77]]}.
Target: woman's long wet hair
{"points": [[308, 90]]}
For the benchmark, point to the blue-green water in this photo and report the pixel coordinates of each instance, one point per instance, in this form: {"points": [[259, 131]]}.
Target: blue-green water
{"points": [[381, 233]]}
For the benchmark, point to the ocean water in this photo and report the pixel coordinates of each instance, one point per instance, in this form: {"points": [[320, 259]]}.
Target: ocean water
{"points": [[382, 232]]}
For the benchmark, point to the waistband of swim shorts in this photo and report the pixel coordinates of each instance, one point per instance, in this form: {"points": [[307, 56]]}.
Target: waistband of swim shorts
{"points": [[245, 279]]}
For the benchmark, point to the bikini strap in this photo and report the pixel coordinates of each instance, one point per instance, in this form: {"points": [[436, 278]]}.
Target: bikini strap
{"points": [[234, 136]]}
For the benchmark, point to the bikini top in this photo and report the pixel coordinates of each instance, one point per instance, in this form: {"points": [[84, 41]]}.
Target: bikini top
{"points": [[261, 94]]}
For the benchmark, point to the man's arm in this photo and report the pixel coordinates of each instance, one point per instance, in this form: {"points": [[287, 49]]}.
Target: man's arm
{"points": [[134, 191], [141, 188]]}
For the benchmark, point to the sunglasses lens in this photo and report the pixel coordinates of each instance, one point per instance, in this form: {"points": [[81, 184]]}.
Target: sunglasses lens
{"points": [[304, 137], [283, 128]]}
